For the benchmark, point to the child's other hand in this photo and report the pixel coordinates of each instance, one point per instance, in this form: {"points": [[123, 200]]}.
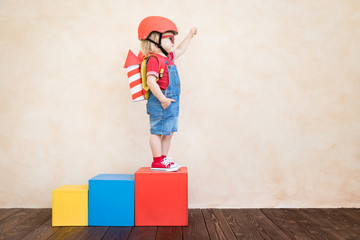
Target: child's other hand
{"points": [[166, 103], [193, 31]]}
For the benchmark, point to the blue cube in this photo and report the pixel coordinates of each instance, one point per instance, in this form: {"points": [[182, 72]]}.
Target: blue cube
{"points": [[111, 200]]}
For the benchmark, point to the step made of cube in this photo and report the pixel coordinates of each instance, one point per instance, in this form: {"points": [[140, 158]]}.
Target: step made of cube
{"points": [[111, 200], [70, 205], [161, 198]]}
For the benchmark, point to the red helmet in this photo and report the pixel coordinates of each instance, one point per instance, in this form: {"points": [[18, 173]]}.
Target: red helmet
{"points": [[155, 24]]}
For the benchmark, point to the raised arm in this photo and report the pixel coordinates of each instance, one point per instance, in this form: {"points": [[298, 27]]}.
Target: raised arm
{"points": [[181, 48]]}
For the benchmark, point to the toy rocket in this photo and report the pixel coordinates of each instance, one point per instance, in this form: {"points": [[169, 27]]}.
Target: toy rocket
{"points": [[132, 65]]}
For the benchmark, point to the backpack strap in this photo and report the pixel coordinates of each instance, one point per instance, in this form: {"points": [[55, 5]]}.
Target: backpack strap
{"points": [[161, 62], [162, 67]]}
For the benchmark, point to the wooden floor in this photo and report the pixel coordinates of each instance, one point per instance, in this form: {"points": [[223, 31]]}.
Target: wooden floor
{"points": [[275, 224]]}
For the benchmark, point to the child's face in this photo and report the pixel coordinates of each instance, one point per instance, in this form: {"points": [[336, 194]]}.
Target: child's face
{"points": [[168, 41]]}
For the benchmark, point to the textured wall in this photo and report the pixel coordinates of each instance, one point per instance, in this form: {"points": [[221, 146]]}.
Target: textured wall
{"points": [[270, 110]]}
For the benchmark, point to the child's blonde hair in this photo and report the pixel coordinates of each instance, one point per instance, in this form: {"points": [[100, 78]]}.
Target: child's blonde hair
{"points": [[149, 47]]}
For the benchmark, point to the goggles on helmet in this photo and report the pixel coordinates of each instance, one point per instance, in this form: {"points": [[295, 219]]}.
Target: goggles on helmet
{"points": [[171, 37]]}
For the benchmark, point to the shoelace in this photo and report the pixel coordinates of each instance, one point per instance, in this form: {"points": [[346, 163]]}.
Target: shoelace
{"points": [[169, 160], [165, 162]]}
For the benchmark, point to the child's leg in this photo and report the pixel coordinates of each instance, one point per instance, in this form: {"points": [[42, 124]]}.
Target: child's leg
{"points": [[158, 163], [165, 144], [155, 144]]}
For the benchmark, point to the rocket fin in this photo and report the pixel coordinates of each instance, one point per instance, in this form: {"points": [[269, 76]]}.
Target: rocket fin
{"points": [[131, 59], [140, 55]]}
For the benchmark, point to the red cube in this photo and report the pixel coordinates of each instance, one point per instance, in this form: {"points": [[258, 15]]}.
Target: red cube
{"points": [[161, 198]]}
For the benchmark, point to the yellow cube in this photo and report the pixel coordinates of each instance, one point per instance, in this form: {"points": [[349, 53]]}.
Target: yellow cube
{"points": [[70, 205]]}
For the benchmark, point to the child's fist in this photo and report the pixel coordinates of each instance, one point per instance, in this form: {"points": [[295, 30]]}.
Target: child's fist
{"points": [[166, 102], [193, 31]]}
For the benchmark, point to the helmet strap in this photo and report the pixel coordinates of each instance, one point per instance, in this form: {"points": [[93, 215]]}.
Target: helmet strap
{"points": [[159, 45]]}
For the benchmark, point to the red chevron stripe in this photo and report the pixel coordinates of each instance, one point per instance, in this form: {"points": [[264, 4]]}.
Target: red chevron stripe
{"points": [[133, 72], [136, 95], [135, 83]]}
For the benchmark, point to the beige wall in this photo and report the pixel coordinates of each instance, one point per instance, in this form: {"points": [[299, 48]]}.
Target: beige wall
{"points": [[270, 110]]}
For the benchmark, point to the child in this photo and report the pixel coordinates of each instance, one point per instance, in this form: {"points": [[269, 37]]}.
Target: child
{"points": [[157, 35]]}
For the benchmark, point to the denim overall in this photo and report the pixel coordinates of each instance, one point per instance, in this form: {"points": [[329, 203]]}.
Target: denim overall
{"points": [[163, 122]]}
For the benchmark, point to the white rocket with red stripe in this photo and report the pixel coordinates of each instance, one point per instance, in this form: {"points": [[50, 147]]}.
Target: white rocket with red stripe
{"points": [[132, 65]]}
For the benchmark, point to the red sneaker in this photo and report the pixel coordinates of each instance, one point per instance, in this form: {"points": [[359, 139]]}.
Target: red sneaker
{"points": [[164, 165]]}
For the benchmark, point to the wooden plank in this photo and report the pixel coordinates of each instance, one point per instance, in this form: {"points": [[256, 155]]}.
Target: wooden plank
{"points": [[143, 233], [66, 233], [354, 213], [197, 228], [240, 225], [263, 225], [6, 212], [117, 233], [333, 222], [290, 228], [217, 225], [92, 233], [311, 225], [42, 232], [341, 219], [351, 218], [172, 233], [22, 222], [32, 224], [353, 210], [321, 217]]}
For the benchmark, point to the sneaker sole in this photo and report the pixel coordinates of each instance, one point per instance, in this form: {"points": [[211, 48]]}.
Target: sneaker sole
{"points": [[165, 169]]}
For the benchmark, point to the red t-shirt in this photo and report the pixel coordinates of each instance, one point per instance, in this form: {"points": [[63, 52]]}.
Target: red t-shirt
{"points": [[152, 68]]}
